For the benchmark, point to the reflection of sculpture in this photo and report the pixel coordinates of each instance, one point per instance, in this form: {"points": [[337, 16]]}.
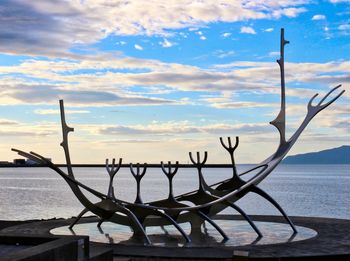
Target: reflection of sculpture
{"points": [[207, 200]]}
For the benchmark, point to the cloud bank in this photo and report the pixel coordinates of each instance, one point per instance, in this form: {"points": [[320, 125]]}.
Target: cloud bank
{"points": [[53, 27]]}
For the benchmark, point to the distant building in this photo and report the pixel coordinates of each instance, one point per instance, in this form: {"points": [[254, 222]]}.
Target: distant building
{"points": [[32, 162], [5, 163], [19, 161]]}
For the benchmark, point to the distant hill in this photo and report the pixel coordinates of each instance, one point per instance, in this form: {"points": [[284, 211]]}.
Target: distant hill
{"points": [[339, 155]]}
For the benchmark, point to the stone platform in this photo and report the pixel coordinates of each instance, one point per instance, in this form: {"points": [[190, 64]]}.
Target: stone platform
{"points": [[317, 237]]}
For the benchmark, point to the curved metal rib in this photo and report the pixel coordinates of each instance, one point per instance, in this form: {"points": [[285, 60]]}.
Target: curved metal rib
{"points": [[138, 228], [245, 216], [216, 226], [101, 212], [85, 210], [266, 196], [176, 225], [100, 222]]}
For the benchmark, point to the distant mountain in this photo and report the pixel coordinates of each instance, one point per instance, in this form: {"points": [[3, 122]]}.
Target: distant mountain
{"points": [[339, 155]]}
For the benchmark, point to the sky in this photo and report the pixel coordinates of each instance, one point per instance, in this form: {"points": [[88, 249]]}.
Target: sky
{"points": [[153, 80]]}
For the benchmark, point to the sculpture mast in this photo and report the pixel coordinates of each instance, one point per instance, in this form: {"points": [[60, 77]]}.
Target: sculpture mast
{"points": [[280, 121]]}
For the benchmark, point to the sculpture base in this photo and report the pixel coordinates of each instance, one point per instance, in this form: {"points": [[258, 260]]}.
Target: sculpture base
{"points": [[316, 237], [239, 232]]}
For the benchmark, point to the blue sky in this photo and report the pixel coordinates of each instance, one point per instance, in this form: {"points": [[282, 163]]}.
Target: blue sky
{"points": [[152, 80]]}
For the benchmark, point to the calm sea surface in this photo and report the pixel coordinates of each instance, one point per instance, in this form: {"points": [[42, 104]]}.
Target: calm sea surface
{"points": [[302, 190]]}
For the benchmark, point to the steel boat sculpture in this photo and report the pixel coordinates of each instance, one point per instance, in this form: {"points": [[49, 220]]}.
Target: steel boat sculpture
{"points": [[207, 200]]}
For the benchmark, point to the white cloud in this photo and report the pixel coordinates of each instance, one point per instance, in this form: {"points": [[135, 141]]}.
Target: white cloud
{"points": [[247, 30], [225, 35], [138, 47], [240, 105], [51, 111], [289, 12], [179, 128], [21, 130], [166, 43], [184, 35], [274, 53], [8, 122], [339, 1], [112, 85], [223, 54], [202, 37], [268, 30], [344, 27], [57, 26], [318, 17], [106, 79]]}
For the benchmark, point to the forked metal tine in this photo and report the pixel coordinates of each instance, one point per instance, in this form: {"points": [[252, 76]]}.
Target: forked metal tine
{"points": [[223, 144], [309, 105], [144, 169], [321, 106], [138, 169], [205, 158], [138, 174], [192, 160], [229, 148], [169, 166], [237, 143], [132, 170], [199, 163], [329, 93], [169, 172], [113, 169], [162, 167], [107, 167], [333, 100], [229, 142]]}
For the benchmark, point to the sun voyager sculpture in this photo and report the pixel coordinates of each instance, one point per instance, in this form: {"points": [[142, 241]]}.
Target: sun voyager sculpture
{"points": [[207, 200]]}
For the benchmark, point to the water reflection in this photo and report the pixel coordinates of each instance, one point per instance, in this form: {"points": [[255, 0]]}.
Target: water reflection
{"points": [[239, 233]]}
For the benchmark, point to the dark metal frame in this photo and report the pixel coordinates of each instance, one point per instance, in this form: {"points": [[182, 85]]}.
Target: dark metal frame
{"points": [[207, 200]]}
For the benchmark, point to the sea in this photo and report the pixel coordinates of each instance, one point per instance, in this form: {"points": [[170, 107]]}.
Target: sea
{"points": [[302, 190]]}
